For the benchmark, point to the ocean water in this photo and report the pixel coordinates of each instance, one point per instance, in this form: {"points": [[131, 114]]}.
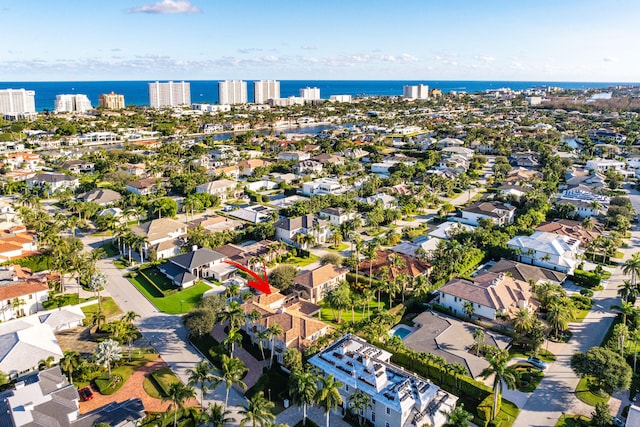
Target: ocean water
{"points": [[137, 92]]}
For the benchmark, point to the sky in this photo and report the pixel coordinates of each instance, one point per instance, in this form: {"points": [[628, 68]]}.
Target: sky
{"points": [[513, 40]]}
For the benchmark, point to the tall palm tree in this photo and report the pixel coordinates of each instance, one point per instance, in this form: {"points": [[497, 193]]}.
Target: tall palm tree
{"points": [[275, 331], [328, 395], [98, 281], [234, 316], [501, 374], [359, 401], [560, 312], [216, 416], [523, 320], [632, 267], [108, 351], [257, 411], [303, 386], [458, 417], [261, 336], [203, 375], [232, 370], [478, 336], [70, 363], [178, 394], [233, 337], [130, 316]]}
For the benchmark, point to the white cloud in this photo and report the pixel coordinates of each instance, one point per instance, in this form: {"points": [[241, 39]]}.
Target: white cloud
{"points": [[166, 6], [484, 58], [308, 47], [609, 59]]}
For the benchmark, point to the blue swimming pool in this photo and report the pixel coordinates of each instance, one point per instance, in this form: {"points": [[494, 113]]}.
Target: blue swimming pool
{"points": [[402, 332]]}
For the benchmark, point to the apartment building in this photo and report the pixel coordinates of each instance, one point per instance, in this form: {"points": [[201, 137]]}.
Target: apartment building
{"points": [[169, 94], [232, 92], [264, 90]]}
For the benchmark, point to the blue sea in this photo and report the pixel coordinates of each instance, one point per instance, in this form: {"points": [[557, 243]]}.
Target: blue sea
{"points": [[202, 91]]}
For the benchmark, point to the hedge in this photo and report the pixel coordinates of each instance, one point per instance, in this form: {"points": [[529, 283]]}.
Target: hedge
{"points": [[485, 409], [587, 279]]}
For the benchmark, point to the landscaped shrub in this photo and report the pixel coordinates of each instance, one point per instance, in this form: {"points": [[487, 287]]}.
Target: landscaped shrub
{"points": [[586, 292], [588, 279], [35, 262], [582, 302], [485, 409]]}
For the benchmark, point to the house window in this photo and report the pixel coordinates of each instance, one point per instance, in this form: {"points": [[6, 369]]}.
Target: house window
{"points": [[388, 412], [386, 424], [346, 387], [30, 296], [373, 416]]}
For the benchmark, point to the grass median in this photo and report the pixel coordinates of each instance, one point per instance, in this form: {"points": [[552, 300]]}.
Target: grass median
{"points": [[180, 302]]}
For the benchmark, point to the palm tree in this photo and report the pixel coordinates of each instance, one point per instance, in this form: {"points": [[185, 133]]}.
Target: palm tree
{"points": [[359, 401], [46, 363], [98, 281], [632, 267], [328, 395], [98, 318], [232, 371], [130, 316], [178, 394], [261, 336], [468, 309], [70, 363], [275, 331], [216, 416], [233, 337], [501, 374], [234, 316], [559, 314], [202, 374], [458, 417], [478, 336], [303, 387], [108, 351], [523, 320], [257, 411]]}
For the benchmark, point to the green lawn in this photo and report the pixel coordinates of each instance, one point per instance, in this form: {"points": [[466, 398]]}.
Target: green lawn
{"points": [[109, 308], [179, 303], [110, 249], [584, 394], [580, 315], [158, 278], [123, 371], [341, 247], [517, 353], [62, 300], [568, 420], [302, 262], [155, 384], [327, 312], [529, 377], [508, 413]]}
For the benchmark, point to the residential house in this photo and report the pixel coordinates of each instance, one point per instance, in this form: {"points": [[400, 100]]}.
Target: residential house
{"points": [[586, 202], [222, 188], [23, 160], [101, 196], [250, 255], [522, 175], [136, 169], [314, 284], [448, 229], [254, 214], [231, 171], [25, 344], [527, 273], [322, 186], [214, 223], [329, 159], [46, 398], [573, 229], [398, 397], [603, 165], [412, 267], [292, 314], [52, 182], [17, 242], [78, 166], [247, 167], [513, 189], [386, 201], [337, 216], [497, 212], [185, 270], [288, 228], [420, 247], [21, 292], [296, 156], [548, 250], [449, 142], [488, 296], [164, 237], [146, 186], [307, 167]]}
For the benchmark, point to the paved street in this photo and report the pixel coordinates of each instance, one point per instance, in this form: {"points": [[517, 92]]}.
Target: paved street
{"points": [[555, 394]]}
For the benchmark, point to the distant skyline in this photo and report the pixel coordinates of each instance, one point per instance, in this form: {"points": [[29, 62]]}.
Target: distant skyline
{"points": [[530, 40]]}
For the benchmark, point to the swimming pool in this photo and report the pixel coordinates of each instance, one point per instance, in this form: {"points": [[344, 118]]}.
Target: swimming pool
{"points": [[401, 331]]}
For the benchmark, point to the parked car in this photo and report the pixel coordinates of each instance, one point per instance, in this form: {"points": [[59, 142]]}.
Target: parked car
{"points": [[617, 422], [85, 393], [537, 363]]}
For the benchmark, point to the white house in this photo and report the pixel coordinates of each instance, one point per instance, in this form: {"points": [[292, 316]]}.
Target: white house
{"points": [[490, 294], [52, 182], [497, 212], [322, 186], [337, 216], [21, 293], [287, 229], [553, 251], [221, 188], [603, 165], [163, 236], [399, 398]]}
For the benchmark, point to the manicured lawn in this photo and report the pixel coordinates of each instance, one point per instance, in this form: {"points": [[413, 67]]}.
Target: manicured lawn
{"points": [[62, 300], [159, 279], [372, 232], [568, 420], [327, 312], [108, 386], [508, 413], [178, 303], [584, 394], [544, 355], [302, 262], [158, 381], [120, 263], [529, 377], [110, 249], [109, 308], [580, 315], [341, 247]]}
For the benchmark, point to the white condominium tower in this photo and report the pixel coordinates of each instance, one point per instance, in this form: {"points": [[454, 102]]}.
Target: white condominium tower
{"points": [[169, 94], [416, 92], [265, 90], [310, 93], [17, 101], [232, 92], [111, 101], [72, 103]]}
